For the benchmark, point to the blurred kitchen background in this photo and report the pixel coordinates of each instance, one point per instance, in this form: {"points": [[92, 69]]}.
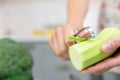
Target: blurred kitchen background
{"points": [[31, 22]]}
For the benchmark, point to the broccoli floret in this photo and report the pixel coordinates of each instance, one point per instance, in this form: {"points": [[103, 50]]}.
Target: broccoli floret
{"points": [[21, 76], [14, 59]]}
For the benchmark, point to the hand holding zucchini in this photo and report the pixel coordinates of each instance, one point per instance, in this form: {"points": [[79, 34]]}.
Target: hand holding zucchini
{"points": [[88, 52]]}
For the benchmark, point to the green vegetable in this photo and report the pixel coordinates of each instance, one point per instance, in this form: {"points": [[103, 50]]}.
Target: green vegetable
{"points": [[14, 59], [77, 38], [20, 76], [88, 52]]}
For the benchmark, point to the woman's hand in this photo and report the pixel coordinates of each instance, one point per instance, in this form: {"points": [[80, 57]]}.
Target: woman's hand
{"points": [[110, 62], [59, 41]]}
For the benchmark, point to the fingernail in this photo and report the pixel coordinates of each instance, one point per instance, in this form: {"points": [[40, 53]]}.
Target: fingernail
{"points": [[106, 48]]}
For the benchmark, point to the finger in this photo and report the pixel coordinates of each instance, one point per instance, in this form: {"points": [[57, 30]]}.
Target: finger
{"points": [[68, 31], [53, 43], [111, 45], [103, 66], [62, 47], [84, 34]]}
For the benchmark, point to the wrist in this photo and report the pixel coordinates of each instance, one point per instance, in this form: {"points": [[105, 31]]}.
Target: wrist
{"points": [[76, 26]]}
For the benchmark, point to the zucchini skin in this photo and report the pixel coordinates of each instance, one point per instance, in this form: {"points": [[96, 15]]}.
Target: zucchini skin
{"points": [[88, 52]]}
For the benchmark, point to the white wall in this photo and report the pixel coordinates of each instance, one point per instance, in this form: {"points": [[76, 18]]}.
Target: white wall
{"points": [[24, 16]]}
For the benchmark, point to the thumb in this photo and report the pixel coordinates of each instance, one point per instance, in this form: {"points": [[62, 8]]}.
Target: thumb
{"points": [[111, 45]]}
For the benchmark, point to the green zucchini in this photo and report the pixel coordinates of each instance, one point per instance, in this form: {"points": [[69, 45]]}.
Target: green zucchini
{"points": [[88, 52]]}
